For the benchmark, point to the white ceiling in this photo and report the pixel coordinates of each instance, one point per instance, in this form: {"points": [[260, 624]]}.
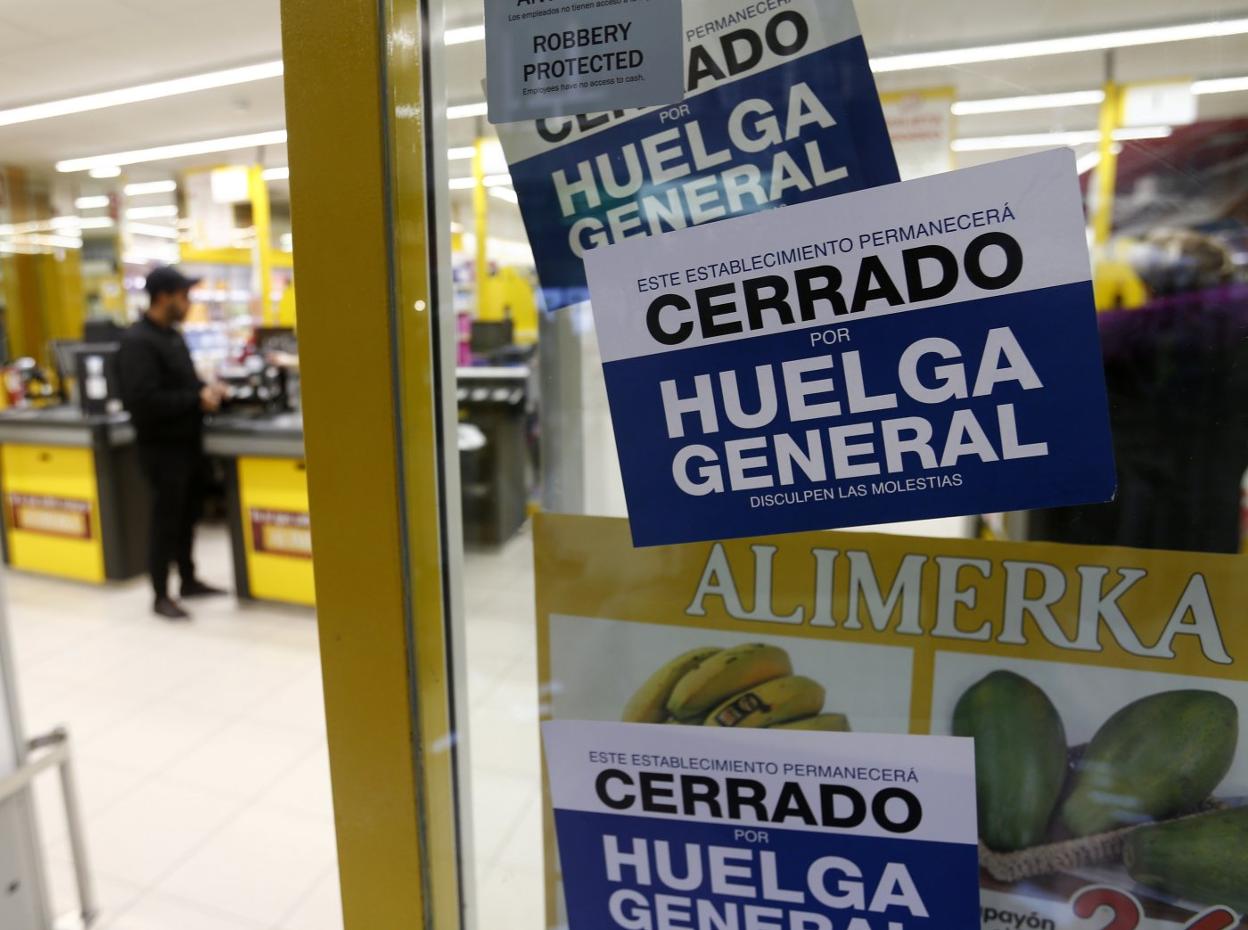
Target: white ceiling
{"points": [[56, 48]]}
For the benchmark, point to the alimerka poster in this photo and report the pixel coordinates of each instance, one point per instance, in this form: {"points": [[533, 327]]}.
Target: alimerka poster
{"points": [[767, 828], [780, 107], [925, 349], [1104, 690]]}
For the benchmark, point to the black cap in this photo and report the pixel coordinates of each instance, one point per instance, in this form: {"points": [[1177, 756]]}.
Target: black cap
{"points": [[168, 280]]}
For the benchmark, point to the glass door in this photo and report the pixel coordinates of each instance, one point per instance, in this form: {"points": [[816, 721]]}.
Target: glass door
{"points": [[476, 575]]}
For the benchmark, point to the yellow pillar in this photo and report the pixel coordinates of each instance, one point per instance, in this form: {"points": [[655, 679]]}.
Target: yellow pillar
{"points": [[381, 577], [1107, 169], [258, 191], [43, 290], [481, 219]]}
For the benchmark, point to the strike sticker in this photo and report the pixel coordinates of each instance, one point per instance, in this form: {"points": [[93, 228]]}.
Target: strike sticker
{"points": [[922, 350]]}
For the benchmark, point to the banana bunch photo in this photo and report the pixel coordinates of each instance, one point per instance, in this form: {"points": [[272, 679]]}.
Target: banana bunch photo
{"points": [[745, 686]]}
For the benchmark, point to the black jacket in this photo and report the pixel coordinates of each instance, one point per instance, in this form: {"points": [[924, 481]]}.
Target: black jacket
{"points": [[159, 386]]}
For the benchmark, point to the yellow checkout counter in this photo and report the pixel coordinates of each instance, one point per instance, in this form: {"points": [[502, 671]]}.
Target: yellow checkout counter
{"points": [[75, 505], [266, 493]]}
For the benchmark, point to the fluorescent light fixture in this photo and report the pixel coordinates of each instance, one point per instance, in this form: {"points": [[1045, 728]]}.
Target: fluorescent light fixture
{"points": [[180, 150], [151, 229], [462, 184], [276, 174], [1036, 48], [505, 193], [1054, 139], [1220, 86], [61, 224], [105, 171], [467, 110], [56, 242], [150, 187], [1078, 98], [1087, 162], [91, 203], [141, 92], [464, 34], [461, 153], [152, 213]]}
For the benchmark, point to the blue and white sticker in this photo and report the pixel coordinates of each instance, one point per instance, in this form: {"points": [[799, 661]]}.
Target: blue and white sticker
{"points": [[780, 107], [664, 826], [921, 350]]}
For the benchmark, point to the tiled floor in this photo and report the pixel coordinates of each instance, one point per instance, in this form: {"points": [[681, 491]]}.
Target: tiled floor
{"points": [[201, 750], [503, 736]]}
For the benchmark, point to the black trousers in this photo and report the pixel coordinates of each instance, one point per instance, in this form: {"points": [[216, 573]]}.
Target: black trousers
{"points": [[176, 473]]}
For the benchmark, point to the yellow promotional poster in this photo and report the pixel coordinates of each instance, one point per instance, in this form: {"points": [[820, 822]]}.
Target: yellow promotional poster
{"points": [[1102, 687]]}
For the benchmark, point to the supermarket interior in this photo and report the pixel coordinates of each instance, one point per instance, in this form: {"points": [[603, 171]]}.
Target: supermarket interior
{"points": [[136, 134]]}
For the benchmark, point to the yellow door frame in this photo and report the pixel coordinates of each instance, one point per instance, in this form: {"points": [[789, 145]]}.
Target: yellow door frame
{"points": [[359, 143]]}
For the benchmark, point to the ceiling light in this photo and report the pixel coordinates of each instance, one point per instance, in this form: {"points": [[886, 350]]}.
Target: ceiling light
{"points": [[141, 92], [105, 171], [1087, 162], [1039, 47], [180, 150], [462, 184], [92, 203], [62, 224], [505, 193], [463, 35], [151, 187], [467, 110], [1220, 86], [151, 229], [152, 213], [1092, 160], [276, 174], [56, 242], [459, 154], [1078, 98], [1053, 139]]}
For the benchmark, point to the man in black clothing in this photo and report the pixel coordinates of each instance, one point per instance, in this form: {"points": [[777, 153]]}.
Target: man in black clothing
{"points": [[167, 402]]}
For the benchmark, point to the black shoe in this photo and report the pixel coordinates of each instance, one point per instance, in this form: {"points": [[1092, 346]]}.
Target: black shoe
{"points": [[169, 609], [196, 588]]}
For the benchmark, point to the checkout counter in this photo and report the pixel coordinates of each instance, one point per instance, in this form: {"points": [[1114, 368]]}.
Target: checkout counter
{"points": [[496, 406], [266, 493], [75, 504]]}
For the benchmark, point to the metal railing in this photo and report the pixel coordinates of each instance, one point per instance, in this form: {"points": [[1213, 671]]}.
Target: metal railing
{"points": [[52, 749]]}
